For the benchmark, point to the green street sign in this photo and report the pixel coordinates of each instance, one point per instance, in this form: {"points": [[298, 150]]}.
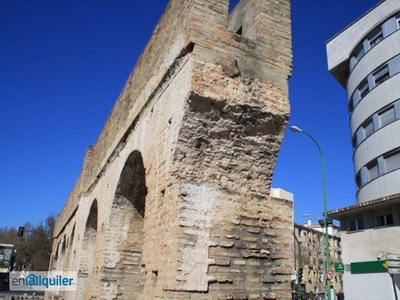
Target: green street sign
{"points": [[363, 267], [339, 267]]}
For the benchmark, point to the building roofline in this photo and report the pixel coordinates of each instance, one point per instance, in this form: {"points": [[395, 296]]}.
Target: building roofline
{"points": [[316, 230], [355, 21], [342, 211]]}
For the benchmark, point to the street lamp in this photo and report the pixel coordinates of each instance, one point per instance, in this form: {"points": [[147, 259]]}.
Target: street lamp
{"points": [[327, 252]]}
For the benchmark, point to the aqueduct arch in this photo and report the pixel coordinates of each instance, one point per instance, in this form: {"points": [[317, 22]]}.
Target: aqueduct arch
{"points": [[88, 253], [182, 169], [123, 272], [71, 251]]}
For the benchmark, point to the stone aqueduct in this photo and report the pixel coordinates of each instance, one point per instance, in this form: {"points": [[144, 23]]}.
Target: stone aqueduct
{"points": [[173, 201]]}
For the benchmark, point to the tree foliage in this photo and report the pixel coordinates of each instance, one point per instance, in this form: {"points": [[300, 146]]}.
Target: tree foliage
{"points": [[33, 249]]}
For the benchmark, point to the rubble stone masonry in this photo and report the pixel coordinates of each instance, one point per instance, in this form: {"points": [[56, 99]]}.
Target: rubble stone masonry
{"points": [[173, 199]]}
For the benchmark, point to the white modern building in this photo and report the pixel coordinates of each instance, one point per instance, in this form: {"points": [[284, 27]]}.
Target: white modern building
{"points": [[365, 59]]}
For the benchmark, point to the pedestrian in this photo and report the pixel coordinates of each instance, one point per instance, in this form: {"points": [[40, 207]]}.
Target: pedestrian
{"points": [[340, 295]]}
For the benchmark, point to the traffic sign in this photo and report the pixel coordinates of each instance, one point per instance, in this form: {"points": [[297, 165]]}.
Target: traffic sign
{"points": [[394, 271], [329, 275], [339, 267], [393, 263], [391, 256]]}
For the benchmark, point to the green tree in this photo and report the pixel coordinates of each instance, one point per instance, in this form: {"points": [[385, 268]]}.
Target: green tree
{"points": [[33, 249]]}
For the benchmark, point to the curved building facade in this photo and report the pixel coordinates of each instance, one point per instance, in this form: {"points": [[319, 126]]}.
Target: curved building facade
{"points": [[365, 59]]}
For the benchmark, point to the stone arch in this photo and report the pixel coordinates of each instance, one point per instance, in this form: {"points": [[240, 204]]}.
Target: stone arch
{"points": [[71, 252], [71, 239], [63, 246], [132, 182], [87, 251], [58, 251], [54, 259], [122, 276]]}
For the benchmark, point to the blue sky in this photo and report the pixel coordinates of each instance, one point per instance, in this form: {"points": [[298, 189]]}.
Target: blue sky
{"points": [[64, 63]]}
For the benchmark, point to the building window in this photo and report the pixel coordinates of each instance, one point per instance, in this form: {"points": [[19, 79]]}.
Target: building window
{"points": [[355, 141], [373, 170], [375, 37], [384, 220], [392, 160], [359, 53], [358, 180], [398, 21], [383, 117], [387, 116], [368, 128], [381, 75], [356, 224], [351, 105], [363, 88]]}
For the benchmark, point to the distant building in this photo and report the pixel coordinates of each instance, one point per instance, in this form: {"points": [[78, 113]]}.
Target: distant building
{"points": [[311, 257], [365, 59], [6, 264], [281, 194], [6, 257], [332, 230]]}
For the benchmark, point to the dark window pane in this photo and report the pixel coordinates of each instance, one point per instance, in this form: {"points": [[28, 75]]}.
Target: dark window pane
{"points": [[373, 171], [368, 128], [355, 141], [351, 105], [357, 224], [381, 75], [392, 161], [358, 179], [360, 224], [375, 38], [363, 89], [389, 220], [387, 116], [384, 220], [359, 53], [380, 221], [352, 225]]}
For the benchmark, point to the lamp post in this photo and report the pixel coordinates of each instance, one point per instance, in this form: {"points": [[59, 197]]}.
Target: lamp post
{"points": [[327, 252]]}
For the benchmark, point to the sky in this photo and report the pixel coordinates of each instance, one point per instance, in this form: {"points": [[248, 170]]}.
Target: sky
{"points": [[64, 63]]}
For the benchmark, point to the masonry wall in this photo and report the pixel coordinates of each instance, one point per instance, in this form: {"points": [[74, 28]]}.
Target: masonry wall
{"points": [[180, 174]]}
